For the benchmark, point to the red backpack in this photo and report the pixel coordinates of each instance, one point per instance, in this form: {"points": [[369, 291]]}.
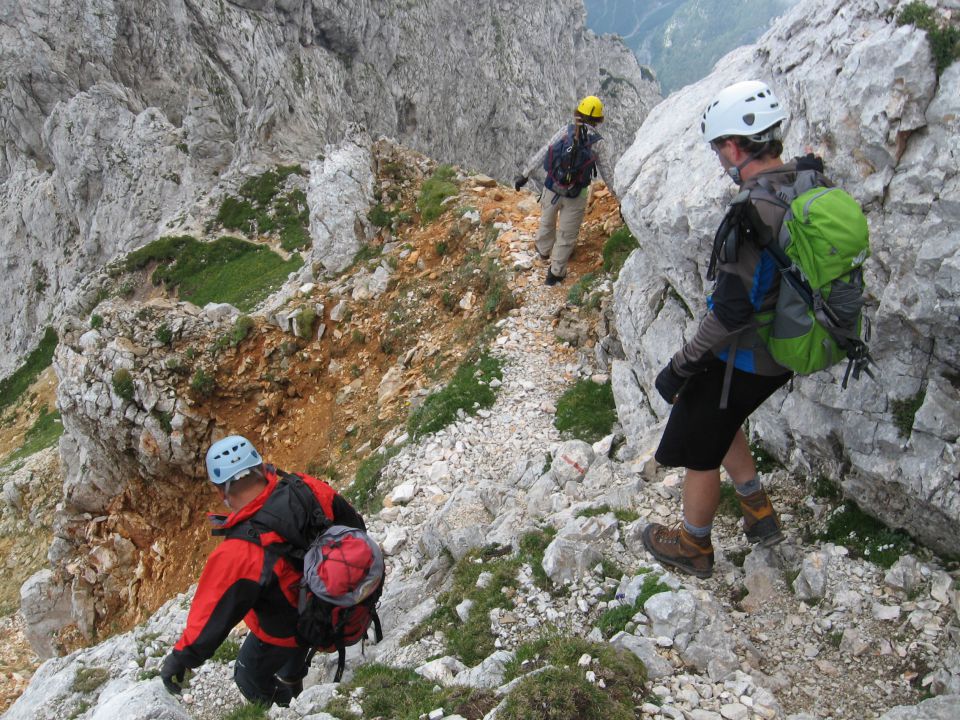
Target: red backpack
{"points": [[343, 570]]}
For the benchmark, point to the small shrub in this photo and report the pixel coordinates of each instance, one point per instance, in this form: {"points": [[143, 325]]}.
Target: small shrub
{"points": [[441, 248], [227, 652], [357, 337], [123, 384], [165, 419], [96, 322], [202, 384], [88, 679], [380, 216], [617, 249], [468, 390], [905, 412], [164, 334], [586, 411], [241, 329], [305, 322], [944, 39], [434, 191], [824, 487]]}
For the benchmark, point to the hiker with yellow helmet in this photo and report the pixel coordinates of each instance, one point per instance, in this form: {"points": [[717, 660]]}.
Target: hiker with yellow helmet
{"points": [[571, 159]]}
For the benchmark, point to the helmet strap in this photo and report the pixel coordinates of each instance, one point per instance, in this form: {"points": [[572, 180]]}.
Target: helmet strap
{"points": [[734, 172]]}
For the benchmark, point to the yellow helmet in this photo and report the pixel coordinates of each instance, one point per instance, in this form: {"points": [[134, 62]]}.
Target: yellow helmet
{"points": [[591, 107]]}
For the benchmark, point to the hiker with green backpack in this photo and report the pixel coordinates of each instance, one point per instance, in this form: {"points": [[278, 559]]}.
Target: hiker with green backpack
{"points": [[295, 564], [787, 299], [570, 160]]}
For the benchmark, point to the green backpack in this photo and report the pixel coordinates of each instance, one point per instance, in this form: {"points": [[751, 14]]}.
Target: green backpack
{"points": [[820, 251]]}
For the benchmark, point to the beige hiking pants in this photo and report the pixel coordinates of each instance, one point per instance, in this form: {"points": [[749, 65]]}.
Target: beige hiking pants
{"points": [[560, 219]]}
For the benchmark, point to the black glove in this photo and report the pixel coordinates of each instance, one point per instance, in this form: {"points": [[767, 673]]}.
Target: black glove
{"points": [[172, 668], [519, 181], [622, 218], [669, 384], [810, 162]]}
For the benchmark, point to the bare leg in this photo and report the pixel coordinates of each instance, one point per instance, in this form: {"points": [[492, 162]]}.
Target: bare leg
{"points": [[738, 462], [701, 495]]}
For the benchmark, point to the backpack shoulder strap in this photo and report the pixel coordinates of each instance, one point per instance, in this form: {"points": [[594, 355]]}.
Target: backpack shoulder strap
{"points": [[248, 531]]}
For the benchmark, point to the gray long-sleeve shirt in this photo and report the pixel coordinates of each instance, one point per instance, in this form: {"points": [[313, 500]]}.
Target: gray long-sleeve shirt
{"points": [[604, 169]]}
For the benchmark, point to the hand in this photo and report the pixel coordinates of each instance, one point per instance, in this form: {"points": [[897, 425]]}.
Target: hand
{"points": [[810, 162], [519, 181], [172, 668], [669, 384], [622, 218]]}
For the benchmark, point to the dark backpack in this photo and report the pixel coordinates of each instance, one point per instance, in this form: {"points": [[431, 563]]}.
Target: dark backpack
{"points": [[571, 161], [343, 569]]}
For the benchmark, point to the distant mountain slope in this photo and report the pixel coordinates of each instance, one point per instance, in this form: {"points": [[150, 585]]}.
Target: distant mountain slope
{"points": [[682, 39]]}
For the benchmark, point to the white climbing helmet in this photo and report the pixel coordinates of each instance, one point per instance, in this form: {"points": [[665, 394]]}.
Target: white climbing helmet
{"points": [[229, 457], [749, 109]]}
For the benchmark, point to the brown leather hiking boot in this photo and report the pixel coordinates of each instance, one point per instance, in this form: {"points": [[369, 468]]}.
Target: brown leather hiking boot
{"points": [[760, 521], [675, 546]]}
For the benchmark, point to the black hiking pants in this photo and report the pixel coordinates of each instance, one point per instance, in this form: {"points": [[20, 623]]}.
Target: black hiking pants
{"points": [[260, 667]]}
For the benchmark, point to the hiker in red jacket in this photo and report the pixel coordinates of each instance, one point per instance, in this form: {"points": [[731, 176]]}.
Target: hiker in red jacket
{"points": [[243, 581]]}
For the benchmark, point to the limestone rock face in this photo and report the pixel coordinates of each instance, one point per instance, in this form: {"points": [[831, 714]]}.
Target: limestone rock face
{"points": [[131, 453], [862, 92], [115, 117]]}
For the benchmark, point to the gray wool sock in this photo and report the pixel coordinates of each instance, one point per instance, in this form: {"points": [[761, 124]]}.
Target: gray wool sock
{"points": [[749, 487]]}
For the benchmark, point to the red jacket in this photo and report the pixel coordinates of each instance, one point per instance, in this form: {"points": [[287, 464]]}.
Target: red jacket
{"points": [[230, 590]]}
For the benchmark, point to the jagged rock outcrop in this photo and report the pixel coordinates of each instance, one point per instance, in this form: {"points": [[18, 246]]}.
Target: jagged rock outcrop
{"points": [[863, 92], [115, 117], [131, 449]]}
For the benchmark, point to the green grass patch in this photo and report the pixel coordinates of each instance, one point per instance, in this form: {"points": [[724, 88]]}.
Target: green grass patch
{"points": [[12, 387], [615, 619], [362, 492], [865, 536], [96, 321], [586, 411], [471, 639], [401, 694], [562, 692], [617, 249], [532, 547], [164, 334], [729, 502], [905, 412], [437, 188], [227, 270], [764, 461], [262, 208], [241, 329], [228, 651], [578, 292], [824, 487], [621, 514], [44, 432], [88, 679], [379, 216], [942, 34], [469, 390], [248, 711], [123, 384]]}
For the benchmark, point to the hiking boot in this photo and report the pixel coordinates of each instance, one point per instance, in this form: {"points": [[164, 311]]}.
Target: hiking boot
{"points": [[553, 279], [678, 548], [760, 522]]}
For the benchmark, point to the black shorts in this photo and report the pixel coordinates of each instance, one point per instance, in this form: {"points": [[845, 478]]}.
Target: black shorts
{"points": [[699, 433]]}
